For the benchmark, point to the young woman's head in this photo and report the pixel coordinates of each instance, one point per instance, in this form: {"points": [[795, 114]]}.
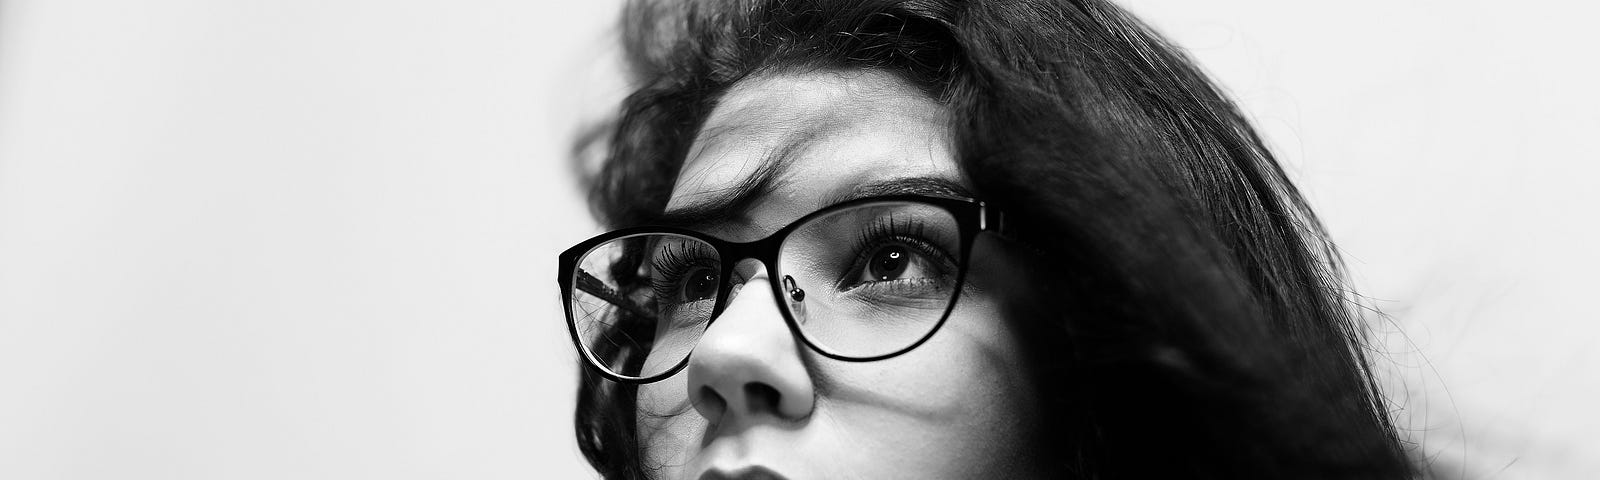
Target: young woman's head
{"points": [[948, 239]]}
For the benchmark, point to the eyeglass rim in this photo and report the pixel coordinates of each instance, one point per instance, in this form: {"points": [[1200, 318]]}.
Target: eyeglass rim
{"points": [[972, 216]]}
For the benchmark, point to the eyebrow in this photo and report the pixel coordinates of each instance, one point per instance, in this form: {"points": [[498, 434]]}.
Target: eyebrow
{"points": [[926, 185], [734, 201], [742, 196]]}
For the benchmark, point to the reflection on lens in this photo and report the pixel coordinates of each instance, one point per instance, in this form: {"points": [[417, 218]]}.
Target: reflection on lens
{"points": [[876, 278], [640, 303]]}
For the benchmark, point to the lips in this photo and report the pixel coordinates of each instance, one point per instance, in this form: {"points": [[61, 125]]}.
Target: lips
{"points": [[746, 473]]}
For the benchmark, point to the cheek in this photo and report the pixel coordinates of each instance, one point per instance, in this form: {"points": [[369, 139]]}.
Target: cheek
{"points": [[972, 356], [976, 361], [961, 402], [667, 423]]}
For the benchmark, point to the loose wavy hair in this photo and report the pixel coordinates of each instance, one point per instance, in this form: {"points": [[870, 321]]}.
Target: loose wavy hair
{"points": [[1196, 323]]}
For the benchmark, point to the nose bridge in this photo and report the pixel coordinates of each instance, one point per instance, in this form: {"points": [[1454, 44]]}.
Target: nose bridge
{"points": [[748, 362], [749, 269], [751, 262], [752, 315], [749, 302]]}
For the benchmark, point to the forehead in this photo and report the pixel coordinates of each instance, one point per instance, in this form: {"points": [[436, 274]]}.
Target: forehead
{"points": [[800, 140]]}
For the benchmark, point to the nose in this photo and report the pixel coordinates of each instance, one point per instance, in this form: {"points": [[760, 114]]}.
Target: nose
{"points": [[748, 364]]}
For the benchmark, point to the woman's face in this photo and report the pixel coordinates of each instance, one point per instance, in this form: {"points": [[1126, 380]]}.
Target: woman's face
{"points": [[754, 397]]}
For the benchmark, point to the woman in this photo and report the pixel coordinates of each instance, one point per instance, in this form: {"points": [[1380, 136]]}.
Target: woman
{"points": [[1002, 239]]}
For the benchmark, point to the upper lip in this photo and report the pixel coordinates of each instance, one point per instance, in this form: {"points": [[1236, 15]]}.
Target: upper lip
{"points": [[746, 473]]}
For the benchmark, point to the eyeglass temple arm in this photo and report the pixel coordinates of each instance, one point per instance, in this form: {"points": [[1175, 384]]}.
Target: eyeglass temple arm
{"points": [[991, 219], [593, 286]]}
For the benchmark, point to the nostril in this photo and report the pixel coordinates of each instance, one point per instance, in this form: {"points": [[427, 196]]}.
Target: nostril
{"points": [[762, 397], [710, 404]]}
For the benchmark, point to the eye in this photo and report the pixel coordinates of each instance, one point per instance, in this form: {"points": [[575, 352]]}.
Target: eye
{"points": [[888, 263], [684, 271], [895, 261], [699, 284]]}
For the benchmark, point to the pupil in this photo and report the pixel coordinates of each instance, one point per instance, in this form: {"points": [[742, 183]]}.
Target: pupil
{"points": [[702, 284], [889, 263]]}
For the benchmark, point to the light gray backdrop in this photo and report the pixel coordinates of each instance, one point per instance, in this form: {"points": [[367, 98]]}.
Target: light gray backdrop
{"points": [[316, 239]]}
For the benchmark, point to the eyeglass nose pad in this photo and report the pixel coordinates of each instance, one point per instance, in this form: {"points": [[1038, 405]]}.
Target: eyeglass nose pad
{"points": [[797, 297]]}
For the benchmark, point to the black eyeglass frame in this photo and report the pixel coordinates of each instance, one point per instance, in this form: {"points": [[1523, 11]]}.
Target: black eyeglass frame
{"points": [[972, 216]]}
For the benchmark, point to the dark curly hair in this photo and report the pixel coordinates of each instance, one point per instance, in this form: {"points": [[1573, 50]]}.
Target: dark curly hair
{"points": [[1199, 325]]}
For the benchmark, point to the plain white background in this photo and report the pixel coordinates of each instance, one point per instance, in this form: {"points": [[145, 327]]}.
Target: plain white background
{"points": [[316, 239]]}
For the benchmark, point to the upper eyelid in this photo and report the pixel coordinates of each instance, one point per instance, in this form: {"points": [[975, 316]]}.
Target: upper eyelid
{"points": [[916, 228], [924, 245], [884, 230], [667, 257]]}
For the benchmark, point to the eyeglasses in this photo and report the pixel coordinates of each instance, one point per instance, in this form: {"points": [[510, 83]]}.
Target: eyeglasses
{"points": [[860, 281]]}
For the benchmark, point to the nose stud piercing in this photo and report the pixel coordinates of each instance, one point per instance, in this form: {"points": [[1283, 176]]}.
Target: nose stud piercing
{"points": [[794, 291], [797, 297]]}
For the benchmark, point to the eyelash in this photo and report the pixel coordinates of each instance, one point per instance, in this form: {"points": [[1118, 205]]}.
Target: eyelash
{"points": [[670, 264], [888, 230]]}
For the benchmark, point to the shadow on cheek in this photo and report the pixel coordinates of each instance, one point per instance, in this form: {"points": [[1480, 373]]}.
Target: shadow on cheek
{"points": [[947, 380], [664, 418], [662, 402], [667, 429]]}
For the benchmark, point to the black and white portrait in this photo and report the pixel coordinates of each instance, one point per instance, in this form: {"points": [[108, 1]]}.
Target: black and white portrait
{"points": [[797, 239]]}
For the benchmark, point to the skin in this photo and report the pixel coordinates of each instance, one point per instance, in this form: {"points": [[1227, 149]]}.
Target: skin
{"points": [[753, 395]]}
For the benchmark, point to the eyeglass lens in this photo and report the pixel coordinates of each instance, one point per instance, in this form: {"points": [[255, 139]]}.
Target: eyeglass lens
{"points": [[859, 282]]}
